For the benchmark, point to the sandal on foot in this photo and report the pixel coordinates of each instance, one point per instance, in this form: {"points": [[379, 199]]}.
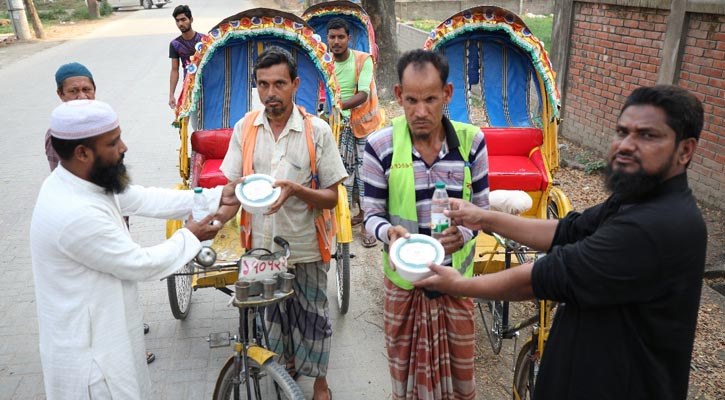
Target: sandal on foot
{"points": [[146, 328], [368, 240], [150, 357], [357, 220]]}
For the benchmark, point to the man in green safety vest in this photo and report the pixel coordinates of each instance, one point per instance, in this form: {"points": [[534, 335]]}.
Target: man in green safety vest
{"points": [[429, 335]]}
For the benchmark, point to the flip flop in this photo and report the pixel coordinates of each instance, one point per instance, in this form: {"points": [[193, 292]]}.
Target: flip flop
{"points": [[357, 220], [150, 357], [368, 240]]}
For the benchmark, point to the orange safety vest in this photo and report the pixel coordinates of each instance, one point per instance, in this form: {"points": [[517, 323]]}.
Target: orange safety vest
{"points": [[365, 118], [325, 222]]}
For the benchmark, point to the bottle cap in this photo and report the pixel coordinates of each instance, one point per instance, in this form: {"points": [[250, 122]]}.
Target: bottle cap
{"points": [[197, 190], [440, 185]]}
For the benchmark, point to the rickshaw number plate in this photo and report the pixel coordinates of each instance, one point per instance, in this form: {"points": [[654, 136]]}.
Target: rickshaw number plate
{"points": [[254, 269], [219, 339]]}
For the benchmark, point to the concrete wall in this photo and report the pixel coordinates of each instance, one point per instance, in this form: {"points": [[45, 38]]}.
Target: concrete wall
{"points": [[604, 49], [410, 38], [440, 10]]}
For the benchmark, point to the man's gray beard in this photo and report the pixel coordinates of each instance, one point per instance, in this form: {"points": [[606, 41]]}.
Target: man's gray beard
{"points": [[275, 111]]}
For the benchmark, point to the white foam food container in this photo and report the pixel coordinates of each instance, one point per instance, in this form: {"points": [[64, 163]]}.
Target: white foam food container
{"points": [[411, 256], [256, 193]]}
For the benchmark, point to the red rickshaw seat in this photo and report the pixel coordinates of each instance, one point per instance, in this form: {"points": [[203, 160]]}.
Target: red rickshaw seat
{"points": [[514, 159], [209, 148]]}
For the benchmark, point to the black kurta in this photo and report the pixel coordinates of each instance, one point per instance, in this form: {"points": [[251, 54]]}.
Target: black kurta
{"points": [[630, 276]]}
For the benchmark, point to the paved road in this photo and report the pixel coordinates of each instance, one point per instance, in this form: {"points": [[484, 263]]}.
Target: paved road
{"points": [[128, 58]]}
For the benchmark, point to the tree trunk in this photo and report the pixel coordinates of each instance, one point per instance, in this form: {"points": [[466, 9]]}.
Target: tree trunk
{"points": [[94, 11], [382, 14], [35, 19]]}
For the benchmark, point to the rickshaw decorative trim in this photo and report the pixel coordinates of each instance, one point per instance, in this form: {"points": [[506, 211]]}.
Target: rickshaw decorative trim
{"points": [[491, 18], [249, 28]]}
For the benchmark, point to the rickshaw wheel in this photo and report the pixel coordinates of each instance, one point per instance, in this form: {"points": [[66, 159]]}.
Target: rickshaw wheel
{"points": [[269, 380], [491, 312], [342, 275], [552, 210], [524, 378], [179, 288]]}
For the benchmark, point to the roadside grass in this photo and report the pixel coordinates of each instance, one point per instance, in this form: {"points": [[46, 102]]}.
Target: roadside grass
{"points": [[54, 13], [539, 26]]}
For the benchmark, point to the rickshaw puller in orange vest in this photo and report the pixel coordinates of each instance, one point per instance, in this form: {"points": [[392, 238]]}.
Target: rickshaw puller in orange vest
{"points": [[356, 77]]}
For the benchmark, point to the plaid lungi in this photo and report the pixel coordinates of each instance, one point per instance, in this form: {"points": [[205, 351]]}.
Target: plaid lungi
{"points": [[352, 150], [430, 344], [299, 328]]}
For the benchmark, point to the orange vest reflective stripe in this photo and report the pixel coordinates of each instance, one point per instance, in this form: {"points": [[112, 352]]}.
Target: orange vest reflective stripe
{"points": [[325, 222], [365, 118]]}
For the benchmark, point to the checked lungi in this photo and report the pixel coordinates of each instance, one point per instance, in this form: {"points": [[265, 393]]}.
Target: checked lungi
{"points": [[352, 151], [299, 327], [430, 344]]}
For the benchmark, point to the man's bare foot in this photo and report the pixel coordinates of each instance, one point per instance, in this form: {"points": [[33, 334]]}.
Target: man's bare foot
{"points": [[320, 390]]}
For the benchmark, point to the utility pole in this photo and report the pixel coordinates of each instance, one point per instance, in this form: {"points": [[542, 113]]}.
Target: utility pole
{"points": [[16, 8]]}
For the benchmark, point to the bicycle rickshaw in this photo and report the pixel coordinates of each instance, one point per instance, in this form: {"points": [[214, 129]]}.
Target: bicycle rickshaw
{"points": [[503, 81], [218, 90]]}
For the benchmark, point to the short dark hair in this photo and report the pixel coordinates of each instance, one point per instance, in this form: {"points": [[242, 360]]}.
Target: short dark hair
{"points": [[684, 111], [183, 9], [66, 147], [419, 58], [339, 23], [274, 55]]}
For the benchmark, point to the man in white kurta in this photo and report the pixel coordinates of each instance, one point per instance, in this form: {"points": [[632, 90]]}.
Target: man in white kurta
{"points": [[86, 266]]}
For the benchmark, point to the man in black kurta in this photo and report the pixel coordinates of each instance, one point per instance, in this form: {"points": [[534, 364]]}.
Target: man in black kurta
{"points": [[627, 272], [630, 276]]}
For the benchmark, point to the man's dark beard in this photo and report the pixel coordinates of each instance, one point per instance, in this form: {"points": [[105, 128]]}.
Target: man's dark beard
{"points": [[633, 187], [113, 178]]}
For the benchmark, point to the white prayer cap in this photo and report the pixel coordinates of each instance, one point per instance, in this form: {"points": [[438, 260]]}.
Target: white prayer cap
{"points": [[80, 119]]}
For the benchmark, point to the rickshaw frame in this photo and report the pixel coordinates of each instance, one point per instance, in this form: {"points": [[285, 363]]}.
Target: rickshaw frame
{"points": [[247, 28]]}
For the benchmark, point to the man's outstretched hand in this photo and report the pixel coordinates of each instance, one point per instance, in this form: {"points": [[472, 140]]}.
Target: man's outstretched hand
{"points": [[229, 197], [205, 229], [463, 213], [445, 279]]}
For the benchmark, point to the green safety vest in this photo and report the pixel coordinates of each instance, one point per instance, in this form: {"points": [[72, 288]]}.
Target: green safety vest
{"points": [[401, 206]]}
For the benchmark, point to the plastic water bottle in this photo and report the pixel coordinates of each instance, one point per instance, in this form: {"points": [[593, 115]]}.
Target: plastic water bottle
{"points": [[439, 203], [200, 210]]}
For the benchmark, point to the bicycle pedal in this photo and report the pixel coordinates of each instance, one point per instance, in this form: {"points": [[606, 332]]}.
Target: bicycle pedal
{"points": [[511, 335], [219, 339]]}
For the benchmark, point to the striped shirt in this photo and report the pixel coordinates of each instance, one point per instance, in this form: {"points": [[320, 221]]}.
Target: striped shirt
{"points": [[448, 167]]}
